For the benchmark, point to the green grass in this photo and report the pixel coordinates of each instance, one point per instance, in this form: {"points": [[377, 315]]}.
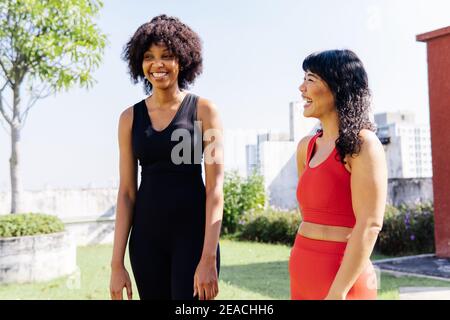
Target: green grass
{"points": [[91, 282], [248, 271]]}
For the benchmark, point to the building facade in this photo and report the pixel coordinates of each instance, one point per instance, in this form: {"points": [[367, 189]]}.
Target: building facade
{"points": [[407, 145]]}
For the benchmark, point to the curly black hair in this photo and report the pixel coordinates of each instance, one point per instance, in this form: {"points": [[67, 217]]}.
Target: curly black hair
{"points": [[347, 79], [181, 40]]}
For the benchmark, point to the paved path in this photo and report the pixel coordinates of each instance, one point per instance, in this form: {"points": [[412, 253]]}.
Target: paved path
{"points": [[424, 293]]}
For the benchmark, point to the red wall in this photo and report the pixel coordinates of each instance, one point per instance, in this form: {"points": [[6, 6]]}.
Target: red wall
{"points": [[438, 51]]}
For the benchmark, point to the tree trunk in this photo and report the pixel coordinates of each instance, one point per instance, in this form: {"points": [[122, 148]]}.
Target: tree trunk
{"points": [[14, 161]]}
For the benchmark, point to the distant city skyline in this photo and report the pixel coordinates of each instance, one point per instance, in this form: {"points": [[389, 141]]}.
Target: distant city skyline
{"points": [[252, 69]]}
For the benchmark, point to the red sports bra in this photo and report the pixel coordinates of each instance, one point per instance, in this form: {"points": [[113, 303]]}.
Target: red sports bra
{"points": [[323, 191]]}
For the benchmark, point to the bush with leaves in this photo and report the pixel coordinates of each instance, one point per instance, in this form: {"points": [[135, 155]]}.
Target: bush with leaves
{"points": [[241, 195], [270, 226], [29, 224], [407, 230]]}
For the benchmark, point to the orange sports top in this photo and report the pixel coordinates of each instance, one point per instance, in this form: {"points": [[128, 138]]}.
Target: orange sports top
{"points": [[323, 191]]}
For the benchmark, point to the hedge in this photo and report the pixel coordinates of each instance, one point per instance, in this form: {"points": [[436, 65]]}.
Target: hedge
{"points": [[29, 224]]}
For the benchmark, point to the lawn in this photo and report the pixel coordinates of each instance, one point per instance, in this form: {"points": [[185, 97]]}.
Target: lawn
{"points": [[248, 271]]}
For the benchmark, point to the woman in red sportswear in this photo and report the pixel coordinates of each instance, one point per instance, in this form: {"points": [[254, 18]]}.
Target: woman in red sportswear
{"points": [[342, 183]]}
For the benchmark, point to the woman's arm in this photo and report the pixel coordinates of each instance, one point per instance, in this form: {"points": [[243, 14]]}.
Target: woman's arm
{"points": [[124, 210], [302, 149], [369, 191], [206, 279]]}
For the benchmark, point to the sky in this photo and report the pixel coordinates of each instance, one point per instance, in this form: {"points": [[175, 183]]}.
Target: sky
{"points": [[252, 51]]}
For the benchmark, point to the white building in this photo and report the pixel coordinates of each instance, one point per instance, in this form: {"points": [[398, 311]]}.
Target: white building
{"points": [[274, 157], [407, 145], [277, 164], [235, 148], [299, 126], [251, 156]]}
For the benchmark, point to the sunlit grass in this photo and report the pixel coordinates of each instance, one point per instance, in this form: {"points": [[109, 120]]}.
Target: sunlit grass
{"points": [[248, 271]]}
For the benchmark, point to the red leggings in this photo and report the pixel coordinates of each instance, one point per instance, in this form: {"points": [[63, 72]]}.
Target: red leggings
{"points": [[313, 264]]}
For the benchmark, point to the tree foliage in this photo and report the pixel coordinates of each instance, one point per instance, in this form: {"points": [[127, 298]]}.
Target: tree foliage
{"points": [[52, 42]]}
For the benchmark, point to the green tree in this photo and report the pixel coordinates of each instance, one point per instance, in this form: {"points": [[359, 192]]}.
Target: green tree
{"points": [[45, 46]]}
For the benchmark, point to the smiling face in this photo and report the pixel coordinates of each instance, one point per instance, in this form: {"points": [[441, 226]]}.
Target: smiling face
{"points": [[160, 67], [318, 97]]}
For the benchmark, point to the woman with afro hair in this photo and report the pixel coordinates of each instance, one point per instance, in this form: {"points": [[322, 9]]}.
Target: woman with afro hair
{"points": [[342, 184], [174, 217]]}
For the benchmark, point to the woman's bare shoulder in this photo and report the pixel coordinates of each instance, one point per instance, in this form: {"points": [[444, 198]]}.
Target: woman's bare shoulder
{"points": [[303, 143], [126, 117]]}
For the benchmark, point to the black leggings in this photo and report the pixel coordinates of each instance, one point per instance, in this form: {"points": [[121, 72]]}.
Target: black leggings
{"points": [[167, 235]]}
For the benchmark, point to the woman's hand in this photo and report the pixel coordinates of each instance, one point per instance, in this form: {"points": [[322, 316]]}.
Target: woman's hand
{"points": [[206, 280], [334, 296], [120, 279]]}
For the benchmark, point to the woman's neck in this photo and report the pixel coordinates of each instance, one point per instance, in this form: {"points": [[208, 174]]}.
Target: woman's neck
{"points": [[330, 127], [165, 97]]}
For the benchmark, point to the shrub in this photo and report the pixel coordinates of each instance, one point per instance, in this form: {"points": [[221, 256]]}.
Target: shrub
{"points": [[241, 195], [407, 230], [271, 226], [29, 224], [253, 193]]}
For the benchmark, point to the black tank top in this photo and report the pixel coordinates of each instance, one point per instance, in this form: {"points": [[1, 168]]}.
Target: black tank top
{"points": [[176, 148]]}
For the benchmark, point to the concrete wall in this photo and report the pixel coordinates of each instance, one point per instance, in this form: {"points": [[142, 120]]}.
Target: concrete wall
{"points": [[67, 204], [37, 258], [88, 214], [410, 191], [92, 231]]}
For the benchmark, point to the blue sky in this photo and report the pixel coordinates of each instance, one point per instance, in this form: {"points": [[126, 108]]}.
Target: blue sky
{"points": [[252, 68]]}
